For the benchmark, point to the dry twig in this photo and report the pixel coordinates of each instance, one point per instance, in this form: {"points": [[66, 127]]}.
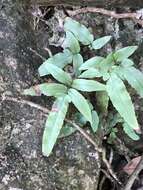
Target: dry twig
{"points": [[136, 16], [108, 165], [36, 53]]}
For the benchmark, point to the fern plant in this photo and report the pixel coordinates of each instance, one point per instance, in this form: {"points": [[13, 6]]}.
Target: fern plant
{"points": [[103, 75]]}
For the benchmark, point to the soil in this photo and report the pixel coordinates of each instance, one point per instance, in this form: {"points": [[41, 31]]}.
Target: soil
{"points": [[74, 164]]}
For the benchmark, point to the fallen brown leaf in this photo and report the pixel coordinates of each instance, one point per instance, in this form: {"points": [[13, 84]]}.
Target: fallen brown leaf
{"points": [[131, 166]]}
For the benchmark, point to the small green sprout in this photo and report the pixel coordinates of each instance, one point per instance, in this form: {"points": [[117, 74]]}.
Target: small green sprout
{"points": [[101, 75]]}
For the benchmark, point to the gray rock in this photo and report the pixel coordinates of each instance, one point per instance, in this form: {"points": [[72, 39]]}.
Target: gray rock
{"points": [[22, 165]]}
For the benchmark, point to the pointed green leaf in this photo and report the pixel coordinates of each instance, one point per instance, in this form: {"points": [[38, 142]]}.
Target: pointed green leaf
{"points": [[58, 73], [113, 120], [60, 60], [79, 119], [92, 62], [118, 70], [99, 43], [105, 75], [48, 89], [134, 78], [69, 129], [53, 89], [71, 42], [81, 104], [90, 105], [102, 99], [121, 100], [107, 62], [106, 65], [95, 121], [54, 124], [31, 91], [42, 71], [77, 62], [124, 53], [130, 132], [88, 85], [79, 30], [127, 63], [90, 73], [112, 136]]}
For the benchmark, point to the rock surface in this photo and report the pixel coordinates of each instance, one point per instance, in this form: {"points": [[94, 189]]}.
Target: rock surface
{"points": [[100, 3], [73, 164]]}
